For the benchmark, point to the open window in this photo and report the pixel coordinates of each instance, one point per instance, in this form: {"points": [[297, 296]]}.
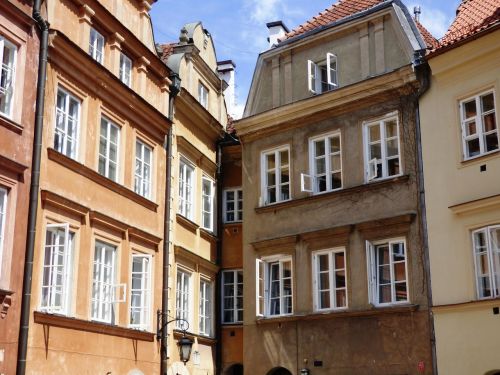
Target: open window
{"points": [[322, 75]]}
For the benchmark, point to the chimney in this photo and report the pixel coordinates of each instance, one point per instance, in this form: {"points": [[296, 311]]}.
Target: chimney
{"points": [[226, 70], [417, 11], [277, 30]]}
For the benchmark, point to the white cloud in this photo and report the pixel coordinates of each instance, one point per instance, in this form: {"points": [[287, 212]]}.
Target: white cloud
{"points": [[262, 11], [434, 20]]}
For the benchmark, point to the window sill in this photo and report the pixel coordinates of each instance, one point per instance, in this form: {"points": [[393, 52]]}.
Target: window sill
{"points": [[90, 326], [100, 179], [11, 125], [208, 235], [334, 314], [470, 305], [186, 223], [480, 158], [333, 194], [206, 340]]}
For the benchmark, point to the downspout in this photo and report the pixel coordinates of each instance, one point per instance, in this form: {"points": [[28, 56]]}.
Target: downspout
{"points": [[174, 90], [423, 75], [34, 188]]}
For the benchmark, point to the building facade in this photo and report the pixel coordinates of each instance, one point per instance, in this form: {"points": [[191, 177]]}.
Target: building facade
{"points": [[19, 46], [97, 267], [461, 162], [333, 255], [198, 124]]}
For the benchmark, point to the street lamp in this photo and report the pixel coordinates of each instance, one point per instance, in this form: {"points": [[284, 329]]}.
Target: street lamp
{"points": [[304, 371], [185, 344]]}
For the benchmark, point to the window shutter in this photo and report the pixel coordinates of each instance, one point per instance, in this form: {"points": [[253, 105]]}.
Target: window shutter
{"points": [[306, 183], [259, 287], [117, 296], [372, 169], [370, 268], [312, 76], [331, 69]]}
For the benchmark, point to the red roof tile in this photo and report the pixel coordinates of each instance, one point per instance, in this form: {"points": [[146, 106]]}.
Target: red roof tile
{"points": [[473, 16], [430, 41], [338, 11]]}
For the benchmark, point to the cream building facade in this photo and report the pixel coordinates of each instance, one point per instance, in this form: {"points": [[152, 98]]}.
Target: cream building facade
{"points": [[459, 117]]}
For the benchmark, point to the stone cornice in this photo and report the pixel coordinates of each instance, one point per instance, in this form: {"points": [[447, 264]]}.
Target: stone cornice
{"points": [[342, 100]]}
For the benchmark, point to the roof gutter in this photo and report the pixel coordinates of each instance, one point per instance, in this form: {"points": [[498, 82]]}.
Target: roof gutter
{"points": [[43, 25]]}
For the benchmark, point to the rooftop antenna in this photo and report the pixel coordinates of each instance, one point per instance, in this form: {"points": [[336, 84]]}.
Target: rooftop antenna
{"points": [[417, 11]]}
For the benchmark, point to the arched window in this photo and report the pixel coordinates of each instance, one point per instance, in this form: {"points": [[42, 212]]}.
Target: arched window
{"points": [[236, 369], [279, 371]]}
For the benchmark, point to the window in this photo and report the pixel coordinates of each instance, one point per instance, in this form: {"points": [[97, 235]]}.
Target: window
{"points": [[3, 219], [183, 299], [274, 286], [109, 149], [486, 243], [125, 69], [203, 94], [325, 164], [233, 205], [382, 151], [96, 46], [104, 289], [232, 296], [140, 292], [143, 167], [205, 308], [479, 125], [207, 211], [186, 189], [57, 269], [67, 124], [8, 54], [276, 175], [330, 282], [322, 76], [387, 273]]}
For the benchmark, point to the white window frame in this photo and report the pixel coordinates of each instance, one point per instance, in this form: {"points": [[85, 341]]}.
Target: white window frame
{"points": [[314, 74], [211, 199], [236, 201], [373, 272], [234, 286], [203, 94], [96, 45], [62, 265], [492, 254], [331, 271], [372, 163], [105, 154], [187, 188], [142, 181], [105, 290], [143, 292], [264, 265], [184, 298], [206, 300], [313, 175], [62, 125], [7, 77], [125, 73], [3, 221], [479, 121], [278, 184]]}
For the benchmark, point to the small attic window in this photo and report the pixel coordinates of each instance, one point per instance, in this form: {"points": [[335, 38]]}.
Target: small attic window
{"points": [[206, 35], [322, 76]]}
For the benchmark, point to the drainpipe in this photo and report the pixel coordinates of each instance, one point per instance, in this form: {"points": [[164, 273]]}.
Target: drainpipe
{"points": [[174, 90], [423, 75], [227, 140], [34, 188]]}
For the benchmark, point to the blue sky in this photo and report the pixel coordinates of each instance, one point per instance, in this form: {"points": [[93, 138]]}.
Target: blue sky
{"points": [[238, 27]]}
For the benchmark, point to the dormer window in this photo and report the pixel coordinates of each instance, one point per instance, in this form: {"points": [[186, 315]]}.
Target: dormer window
{"points": [[203, 94], [322, 76], [96, 46]]}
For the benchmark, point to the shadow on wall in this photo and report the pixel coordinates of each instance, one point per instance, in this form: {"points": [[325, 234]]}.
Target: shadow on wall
{"points": [[279, 371], [493, 372], [236, 369]]}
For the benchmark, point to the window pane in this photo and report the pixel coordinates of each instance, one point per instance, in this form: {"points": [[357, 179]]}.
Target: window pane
{"points": [[324, 281], [473, 147], [376, 151], [339, 260], [285, 175], [341, 298], [471, 128], [271, 179], [323, 262], [491, 141], [401, 292], [385, 295], [335, 162], [374, 133], [469, 109], [340, 279], [270, 161], [392, 147], [334, 144], [391, 129], [320, 166], [325, 300], [319, 148], [489, 122], [284, 157], [285, 193], [488, 102]]}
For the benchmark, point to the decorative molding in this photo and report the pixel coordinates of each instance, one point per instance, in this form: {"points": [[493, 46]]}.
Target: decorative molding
{"points": [[384, 227], [186, 223], [208, 235], [97, 218], [140, 235], [326, 238], [11, 125], [13, 166], [100, 179], [52, 199], [86, 13], [116, 40], [375, 311], [89, 326], [467, 306], [279, 244], [201, 339], [184, 253], [333, 194], [480, 204]]}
